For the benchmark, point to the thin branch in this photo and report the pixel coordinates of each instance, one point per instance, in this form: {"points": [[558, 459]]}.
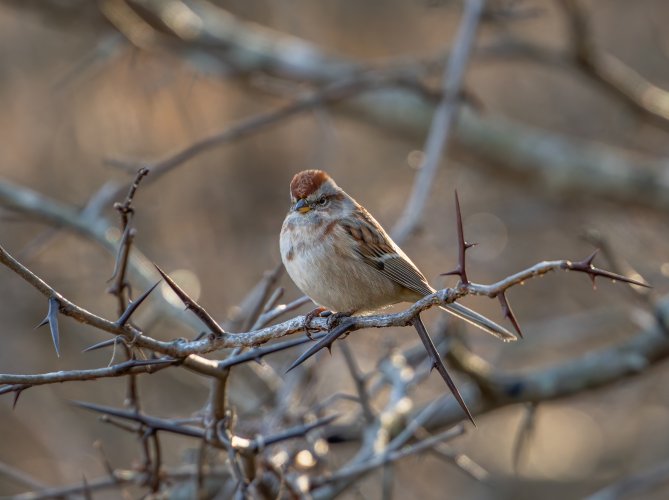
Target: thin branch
{"points": [[133, 366], [117, 479], [21, 477], [181, 348], [611, 73], [637, 485], [334, 92], [350, 474], [255, 301], [241, 444], [359, 382], [556, 161], [524, 434], [442, 120]]}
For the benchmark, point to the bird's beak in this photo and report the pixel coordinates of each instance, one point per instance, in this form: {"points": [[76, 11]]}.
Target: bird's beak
{"points": [[301, 206]]}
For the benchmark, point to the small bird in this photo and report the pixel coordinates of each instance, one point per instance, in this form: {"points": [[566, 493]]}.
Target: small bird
{"points": [[341, 257]]}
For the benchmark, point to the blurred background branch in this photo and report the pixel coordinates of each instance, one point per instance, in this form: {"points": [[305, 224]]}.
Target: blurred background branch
{"points": [[558, 142]]}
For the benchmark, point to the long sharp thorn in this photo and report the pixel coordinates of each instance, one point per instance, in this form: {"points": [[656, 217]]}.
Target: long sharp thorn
{"points": [[132, 307], [117, 262], [324, 342], [175, 288], [439, 365], [104, 343], [454, 272], [52, 319], [192, 305], [508, 313], [462, 245], [109, 410], [16, 398], [588, 261]]}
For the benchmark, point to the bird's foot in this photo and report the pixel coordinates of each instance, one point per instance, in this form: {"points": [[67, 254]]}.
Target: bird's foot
{"points": [[320, 312], [334, 319]]}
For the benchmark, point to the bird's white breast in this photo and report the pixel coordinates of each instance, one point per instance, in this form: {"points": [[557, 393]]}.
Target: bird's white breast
{"points": [[323, 264]]}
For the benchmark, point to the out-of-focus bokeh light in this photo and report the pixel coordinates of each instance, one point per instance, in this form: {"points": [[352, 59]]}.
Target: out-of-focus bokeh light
{"points": [[415, 159]]}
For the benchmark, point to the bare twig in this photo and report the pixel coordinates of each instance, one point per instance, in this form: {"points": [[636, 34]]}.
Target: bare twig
{"points": [[636, 485], [359, 382], [243, 445], [118, 478], [126, 210], [510, 145], [255, 302], [130, 366], [337, 91], [20, 477], [524, 434], [442, 120], [380, 460], [611, 73]]}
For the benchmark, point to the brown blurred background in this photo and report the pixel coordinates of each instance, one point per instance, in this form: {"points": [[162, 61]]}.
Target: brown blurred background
{"points": [[74, 93]]}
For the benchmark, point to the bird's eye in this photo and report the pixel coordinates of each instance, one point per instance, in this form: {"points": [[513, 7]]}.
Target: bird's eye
{"points": [[322, 201]]}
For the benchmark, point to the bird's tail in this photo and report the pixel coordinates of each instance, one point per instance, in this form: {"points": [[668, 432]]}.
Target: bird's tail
{"points": [[479, 321]]}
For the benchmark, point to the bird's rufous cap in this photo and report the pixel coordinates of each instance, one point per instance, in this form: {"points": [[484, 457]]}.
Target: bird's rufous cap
{"points": [[307, 182]]}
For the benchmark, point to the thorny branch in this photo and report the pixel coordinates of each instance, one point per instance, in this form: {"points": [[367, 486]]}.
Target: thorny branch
{"points": [[385, 435], [512, 146], [180, 350], [214, 341], [120, 286], [217, 337]]}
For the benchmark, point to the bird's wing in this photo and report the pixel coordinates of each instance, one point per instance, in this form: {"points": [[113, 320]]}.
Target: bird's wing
{"points": [[376, 249]]}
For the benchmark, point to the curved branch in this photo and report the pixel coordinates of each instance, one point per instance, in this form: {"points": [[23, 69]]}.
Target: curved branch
{"points": [[557, 162], [220, 340]]}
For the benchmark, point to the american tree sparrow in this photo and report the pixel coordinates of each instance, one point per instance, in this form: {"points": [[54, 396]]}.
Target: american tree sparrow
{"points": [[338, 255]]}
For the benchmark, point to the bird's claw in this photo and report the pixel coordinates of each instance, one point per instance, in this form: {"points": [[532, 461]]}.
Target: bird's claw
{"points": [[321, 312], [334, 319]]}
